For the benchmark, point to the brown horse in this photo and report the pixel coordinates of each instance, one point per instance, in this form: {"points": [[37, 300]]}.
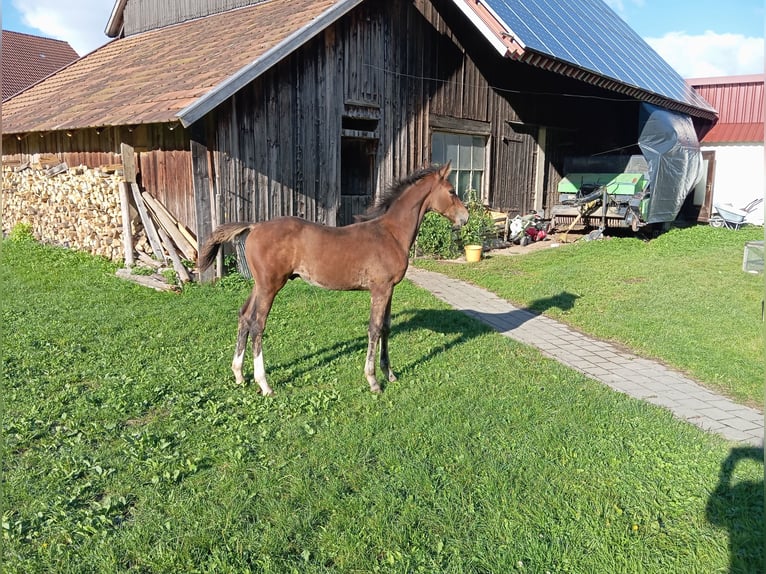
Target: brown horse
{"points": [[371, 254]]}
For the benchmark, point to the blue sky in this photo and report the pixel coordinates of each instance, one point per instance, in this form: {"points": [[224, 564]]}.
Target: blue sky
{"points": [[697, 37], [701, 38]]}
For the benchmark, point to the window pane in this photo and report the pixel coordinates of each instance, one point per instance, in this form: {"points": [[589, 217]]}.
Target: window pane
{"points": [[465, 152], [476, 182], [438, 154], [464, 183], [452, 145], [478, 152]]}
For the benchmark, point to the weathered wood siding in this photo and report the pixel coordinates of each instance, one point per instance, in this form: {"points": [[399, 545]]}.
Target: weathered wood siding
{"points": [[142, 15], [278, 141], [163, 159], [380, 79]]}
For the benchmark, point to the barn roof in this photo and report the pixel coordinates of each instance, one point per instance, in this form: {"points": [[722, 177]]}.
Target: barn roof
{"points": [[740, 104], [586, 40], [27, 59], [182, 72], [166, 74]]}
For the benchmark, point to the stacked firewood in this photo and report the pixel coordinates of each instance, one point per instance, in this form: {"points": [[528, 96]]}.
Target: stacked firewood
{"points": [[72, 207]]}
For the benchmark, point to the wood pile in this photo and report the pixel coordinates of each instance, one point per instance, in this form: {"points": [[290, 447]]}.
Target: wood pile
{"points": [[82, 208]]}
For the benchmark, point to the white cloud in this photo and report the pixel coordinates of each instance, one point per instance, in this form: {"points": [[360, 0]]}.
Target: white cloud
{"points": [[79, 22], [619, 5], [710, 54]]}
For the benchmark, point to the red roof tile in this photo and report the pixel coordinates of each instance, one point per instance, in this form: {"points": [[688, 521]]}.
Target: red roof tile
{"points": [[27, 59], [150, 77]]}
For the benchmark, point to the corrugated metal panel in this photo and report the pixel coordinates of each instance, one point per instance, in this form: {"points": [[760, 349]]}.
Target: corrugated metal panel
{"points": [[738, 99], [735, 133]]}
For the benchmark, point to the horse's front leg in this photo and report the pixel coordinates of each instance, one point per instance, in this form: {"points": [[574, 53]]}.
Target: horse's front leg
{"points": [[385, 363], [379, 302]]}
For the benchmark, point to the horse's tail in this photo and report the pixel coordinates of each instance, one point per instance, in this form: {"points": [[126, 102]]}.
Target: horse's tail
{"points": [[222, 234]]}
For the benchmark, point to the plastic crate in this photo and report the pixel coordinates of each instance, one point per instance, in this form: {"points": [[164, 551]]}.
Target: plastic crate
{"points": [[752, 260]]}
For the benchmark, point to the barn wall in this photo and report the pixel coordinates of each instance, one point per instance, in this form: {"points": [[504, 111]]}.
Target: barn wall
{"points": [[163, 158], [278, 142], [385, 74], [353, 110], [142, 15]]}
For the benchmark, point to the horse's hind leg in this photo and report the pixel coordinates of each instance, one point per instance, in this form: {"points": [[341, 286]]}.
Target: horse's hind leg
{"points": [[243, 330], [261, 308], [385, 363]]}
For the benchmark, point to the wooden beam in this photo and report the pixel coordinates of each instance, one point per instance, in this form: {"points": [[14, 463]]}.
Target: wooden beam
{"points": [[169, 224], [145, 280], [540, 166], [128, 162], [127, 232], [203, 203], [151, 231], [183, 274]]}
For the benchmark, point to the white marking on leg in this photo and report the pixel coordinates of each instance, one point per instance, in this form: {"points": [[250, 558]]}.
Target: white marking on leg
{"points": [[259, 373], [236, 366]]}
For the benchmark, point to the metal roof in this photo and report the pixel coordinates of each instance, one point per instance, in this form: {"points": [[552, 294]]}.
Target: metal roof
{"points": [[740, 104], [587, 40]]}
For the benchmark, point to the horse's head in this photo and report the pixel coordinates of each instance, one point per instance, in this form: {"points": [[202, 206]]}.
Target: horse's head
{"points": [[444, 200]]}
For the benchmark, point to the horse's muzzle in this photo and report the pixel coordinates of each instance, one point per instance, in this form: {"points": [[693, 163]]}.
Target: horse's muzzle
{"points": [[460, 219]]}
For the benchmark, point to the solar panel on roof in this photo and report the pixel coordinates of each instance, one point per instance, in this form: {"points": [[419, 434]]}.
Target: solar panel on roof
{"points": [[590, 35]]}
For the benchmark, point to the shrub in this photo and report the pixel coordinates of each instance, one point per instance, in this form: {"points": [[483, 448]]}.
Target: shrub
{"points": [[436, 238], [479, 227], [21, 232]]}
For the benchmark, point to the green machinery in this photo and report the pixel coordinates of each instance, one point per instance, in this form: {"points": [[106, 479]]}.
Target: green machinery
{"points": [[602, 200]]}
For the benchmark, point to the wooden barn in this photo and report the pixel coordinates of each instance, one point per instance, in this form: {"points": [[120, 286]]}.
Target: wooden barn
{"points": [[252, 109]]}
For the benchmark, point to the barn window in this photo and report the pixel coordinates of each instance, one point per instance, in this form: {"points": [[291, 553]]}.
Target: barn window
{"points": [[466, 151]]}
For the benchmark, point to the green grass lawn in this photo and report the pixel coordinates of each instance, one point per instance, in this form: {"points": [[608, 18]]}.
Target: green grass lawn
{"points": [[127, 447], [681, 298]]}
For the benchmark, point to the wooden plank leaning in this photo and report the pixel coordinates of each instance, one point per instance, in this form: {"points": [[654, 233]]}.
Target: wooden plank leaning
{"points": [[170, 225], [127, 232], [151, 230], [183, 274]]}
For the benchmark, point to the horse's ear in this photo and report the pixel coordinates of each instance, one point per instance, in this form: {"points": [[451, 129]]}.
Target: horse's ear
{"points": [[446, 169]]}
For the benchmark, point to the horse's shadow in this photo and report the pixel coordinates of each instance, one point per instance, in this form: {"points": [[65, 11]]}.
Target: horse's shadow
{"points": [[455, 327], [737, 506]]}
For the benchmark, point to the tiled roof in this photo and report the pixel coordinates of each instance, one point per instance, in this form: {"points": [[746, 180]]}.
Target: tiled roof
{"points": [[27, 59], [740, 104], [151, 77]]}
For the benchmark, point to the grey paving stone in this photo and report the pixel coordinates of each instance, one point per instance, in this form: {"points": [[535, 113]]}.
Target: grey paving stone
{"points": [[608, 363]]}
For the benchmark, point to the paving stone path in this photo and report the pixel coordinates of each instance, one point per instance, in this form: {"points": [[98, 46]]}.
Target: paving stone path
{"points": [[630, 374]]}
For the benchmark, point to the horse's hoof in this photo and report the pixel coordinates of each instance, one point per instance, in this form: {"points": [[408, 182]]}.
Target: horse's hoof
{"points": [[392, 378], [375, 389]]}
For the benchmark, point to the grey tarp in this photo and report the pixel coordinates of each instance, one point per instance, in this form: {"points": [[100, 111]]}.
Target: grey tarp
{"points": [[670, 146]]}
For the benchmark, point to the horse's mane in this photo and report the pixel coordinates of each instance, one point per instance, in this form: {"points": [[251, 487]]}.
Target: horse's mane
{"points": [[394, 191]]}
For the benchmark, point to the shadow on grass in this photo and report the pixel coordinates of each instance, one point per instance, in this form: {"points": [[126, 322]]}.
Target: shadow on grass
{"points": [[737, 506], [504, 322], [446, 322]]}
